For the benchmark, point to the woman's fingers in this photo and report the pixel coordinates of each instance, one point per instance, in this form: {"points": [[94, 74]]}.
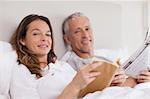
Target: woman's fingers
{"points": [[85, 75], [90, 67], [92, 76]]}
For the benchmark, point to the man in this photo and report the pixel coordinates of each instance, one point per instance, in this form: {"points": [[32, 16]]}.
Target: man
{"points": [[77, 34]]}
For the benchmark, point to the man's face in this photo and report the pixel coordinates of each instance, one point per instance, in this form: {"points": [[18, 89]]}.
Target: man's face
{"points": [[80, 36]]}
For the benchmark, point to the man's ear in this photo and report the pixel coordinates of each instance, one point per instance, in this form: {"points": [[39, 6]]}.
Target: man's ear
{"points": [[66, 39], [22, 41]]}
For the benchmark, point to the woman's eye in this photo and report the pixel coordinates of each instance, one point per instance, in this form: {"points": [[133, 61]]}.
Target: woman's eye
{"points": [[35, 33], [48, 34]]}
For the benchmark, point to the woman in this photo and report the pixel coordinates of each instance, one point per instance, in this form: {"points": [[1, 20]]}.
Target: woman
{"points": [[38, 75]]}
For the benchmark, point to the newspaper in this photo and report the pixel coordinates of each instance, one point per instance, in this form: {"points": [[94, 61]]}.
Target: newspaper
{"points": [[140, 60]]}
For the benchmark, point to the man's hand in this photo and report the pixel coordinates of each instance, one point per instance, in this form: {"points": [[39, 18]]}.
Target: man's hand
{"points": [[144, 76], [119, 78]]}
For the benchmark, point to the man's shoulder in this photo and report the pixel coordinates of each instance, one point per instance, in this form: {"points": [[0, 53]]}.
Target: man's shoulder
{"points": [[66, 56]]}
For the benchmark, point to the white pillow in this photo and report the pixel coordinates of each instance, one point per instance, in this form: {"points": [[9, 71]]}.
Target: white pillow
{"points": [[113, 54], [8, 58], [5, 47]]}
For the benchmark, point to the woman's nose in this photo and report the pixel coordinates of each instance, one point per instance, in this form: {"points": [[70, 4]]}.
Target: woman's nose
{"points": [[43, 37]]}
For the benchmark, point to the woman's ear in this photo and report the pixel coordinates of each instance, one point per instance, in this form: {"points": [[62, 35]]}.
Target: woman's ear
{"points": [[66, 39], [22, 41]]}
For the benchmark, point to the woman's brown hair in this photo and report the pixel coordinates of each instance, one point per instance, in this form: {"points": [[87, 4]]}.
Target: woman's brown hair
{"points": [[24, 55]]}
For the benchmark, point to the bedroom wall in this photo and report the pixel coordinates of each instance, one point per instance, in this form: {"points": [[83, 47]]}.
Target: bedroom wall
{"points": [[113, 23], [149, 13], [134, 24]]}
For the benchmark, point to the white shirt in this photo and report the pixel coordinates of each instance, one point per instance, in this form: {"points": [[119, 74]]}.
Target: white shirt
{"points": [[74, 60], [25, 85], [110, 55]]}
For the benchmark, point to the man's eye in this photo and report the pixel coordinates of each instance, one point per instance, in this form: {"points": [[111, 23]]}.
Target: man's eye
{"points": [[77, 31], [87, 29]]}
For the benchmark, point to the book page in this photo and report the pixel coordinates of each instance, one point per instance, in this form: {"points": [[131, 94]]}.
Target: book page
{"points": [[140, 63], [140, 60]]}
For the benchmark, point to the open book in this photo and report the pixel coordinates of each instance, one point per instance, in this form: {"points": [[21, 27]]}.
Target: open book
{"points": [[140, 60], [108, 71]]}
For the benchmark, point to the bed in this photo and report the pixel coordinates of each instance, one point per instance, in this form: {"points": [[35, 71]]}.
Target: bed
{"points": [[140, 91]]}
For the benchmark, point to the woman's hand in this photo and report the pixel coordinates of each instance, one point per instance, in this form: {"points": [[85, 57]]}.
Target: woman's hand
{"points": [[144, 76], [86, 75], [119, 78]]}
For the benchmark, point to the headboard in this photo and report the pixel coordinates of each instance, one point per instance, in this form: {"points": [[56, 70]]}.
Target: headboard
{"points": [[108, 20]]}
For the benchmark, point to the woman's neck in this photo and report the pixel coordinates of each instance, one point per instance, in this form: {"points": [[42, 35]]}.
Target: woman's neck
{"points": [[43, 61]]}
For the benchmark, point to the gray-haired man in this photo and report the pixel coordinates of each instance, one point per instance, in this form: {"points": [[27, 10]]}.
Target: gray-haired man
{"points": [[78, 35]]}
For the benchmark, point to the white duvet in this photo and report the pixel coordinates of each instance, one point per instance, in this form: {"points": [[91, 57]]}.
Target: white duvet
{"points": [[140, 91]]}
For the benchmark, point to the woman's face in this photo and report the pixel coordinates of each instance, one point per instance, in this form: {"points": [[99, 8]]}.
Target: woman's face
{"points": [[38, 38]]}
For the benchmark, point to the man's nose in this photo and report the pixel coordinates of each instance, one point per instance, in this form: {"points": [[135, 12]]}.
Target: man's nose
{"points": [[85, 33]]}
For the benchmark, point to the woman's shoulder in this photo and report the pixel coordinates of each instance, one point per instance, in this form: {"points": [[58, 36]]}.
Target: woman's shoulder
{"points": [[22, 71], [62, 65], [20, 67]]}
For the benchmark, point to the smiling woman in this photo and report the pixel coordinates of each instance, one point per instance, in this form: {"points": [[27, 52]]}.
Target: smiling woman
{"points": [[38, 75], [33, 42], [40, 34]]}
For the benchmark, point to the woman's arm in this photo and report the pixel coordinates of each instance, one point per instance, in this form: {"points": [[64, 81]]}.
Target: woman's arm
{"points": [[23, 84], [83, 77], [70, 92]]}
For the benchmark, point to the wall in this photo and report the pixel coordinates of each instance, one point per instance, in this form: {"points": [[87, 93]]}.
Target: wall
{"points": [[114, 24], [149, 13], [134, 24]]}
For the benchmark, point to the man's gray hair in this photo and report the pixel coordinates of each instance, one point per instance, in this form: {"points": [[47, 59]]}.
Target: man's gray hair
{"points": [[65, 25]]}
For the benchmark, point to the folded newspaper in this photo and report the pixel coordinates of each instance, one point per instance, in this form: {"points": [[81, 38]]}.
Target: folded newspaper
{"points": [[140, 60]]}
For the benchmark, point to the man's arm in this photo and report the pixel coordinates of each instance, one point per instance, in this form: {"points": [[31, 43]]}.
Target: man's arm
{"points": [[130, 82]]}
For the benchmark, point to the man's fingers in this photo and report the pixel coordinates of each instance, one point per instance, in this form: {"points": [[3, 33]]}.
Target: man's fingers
{"points": [[142, 80], [119, 77], [143, 77], [145, 73]]}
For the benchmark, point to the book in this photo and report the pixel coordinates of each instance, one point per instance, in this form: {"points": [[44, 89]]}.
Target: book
{"points": [[140, 60], [107, 71]]}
